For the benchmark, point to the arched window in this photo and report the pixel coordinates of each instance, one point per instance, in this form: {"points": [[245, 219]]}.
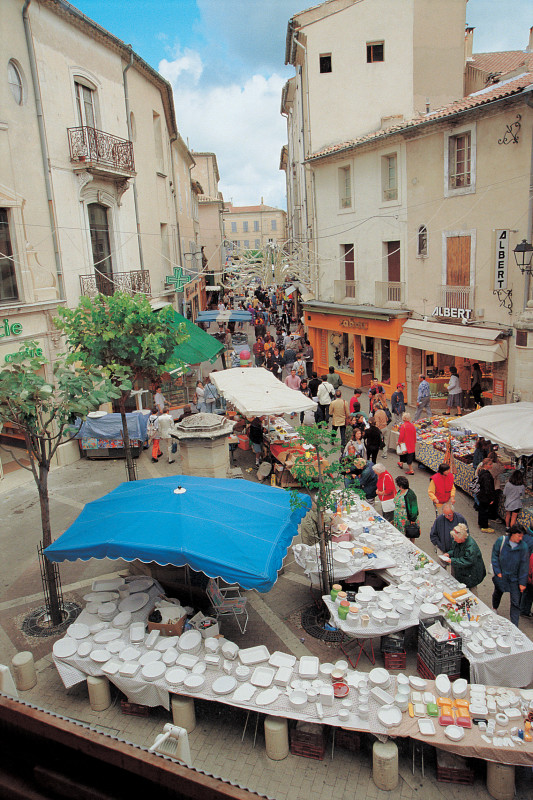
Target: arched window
{"points": [[101, 247], [16, 84], [422, 241], [85, 103]]}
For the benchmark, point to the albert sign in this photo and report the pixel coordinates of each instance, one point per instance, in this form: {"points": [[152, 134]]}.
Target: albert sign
{"points": [[452, 313], [502, 255]]}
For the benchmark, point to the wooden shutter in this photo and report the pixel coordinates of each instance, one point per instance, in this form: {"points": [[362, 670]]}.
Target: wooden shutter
{"points": [[323, 347], [393, 262], [458, 261]]}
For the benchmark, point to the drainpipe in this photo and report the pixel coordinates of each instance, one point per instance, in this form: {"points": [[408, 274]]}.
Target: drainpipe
{"points": [[130, 137], [529, 214], [44, 147], [176, 209]]}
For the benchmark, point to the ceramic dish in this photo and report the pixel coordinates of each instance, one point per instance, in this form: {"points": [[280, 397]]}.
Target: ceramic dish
{"points": [[140, 585], [341, 556], [170, 656], [134, 602], [107, 636], [190, 642], [153, 670], [130, 653], [244, 693], [379, 677], [426, 727], [164, 642], [390, 716], [122, 620], [417, 683], [176, 675], [454, 732], [98, 626], [224, 685], [130, 668], [136, 632], [340, 689], [298, 698], [64, 648], [115, 647], [78, 630], [308, 667], [267, 697], [186, 660], [111, 667], [443, 685], [263, 676], [253, 655], [84, 648], [345, 545], [100, 656], [279, 659], [100, 597], [110, 585], [194, 682]]}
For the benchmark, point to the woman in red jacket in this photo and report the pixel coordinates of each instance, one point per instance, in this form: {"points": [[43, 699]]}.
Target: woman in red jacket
{"points": [[442, 488], [386, 491], [408, 437]]}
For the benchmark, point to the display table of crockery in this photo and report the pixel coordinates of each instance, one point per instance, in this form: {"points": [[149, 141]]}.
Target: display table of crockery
{"points": [[492, 644], [345, 562], [279, 684]]}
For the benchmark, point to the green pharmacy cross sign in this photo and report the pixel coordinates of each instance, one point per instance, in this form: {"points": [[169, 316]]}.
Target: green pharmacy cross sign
{"points": [[178, 279]]}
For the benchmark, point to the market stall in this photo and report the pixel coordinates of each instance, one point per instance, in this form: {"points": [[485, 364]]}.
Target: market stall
{"points": [[257, 393], [100, 435], [181, 520]]}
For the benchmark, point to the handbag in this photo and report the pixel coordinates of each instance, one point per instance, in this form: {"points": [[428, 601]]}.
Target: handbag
{"points": [[401, 449], [387, 505], [412, 530], [473, 486]]}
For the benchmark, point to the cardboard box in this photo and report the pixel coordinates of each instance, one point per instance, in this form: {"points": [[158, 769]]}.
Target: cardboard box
{"points": [[198, 623], [168, 628]]}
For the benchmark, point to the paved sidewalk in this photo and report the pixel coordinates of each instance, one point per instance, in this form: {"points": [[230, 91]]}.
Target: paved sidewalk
{"points": [[216, 744]]}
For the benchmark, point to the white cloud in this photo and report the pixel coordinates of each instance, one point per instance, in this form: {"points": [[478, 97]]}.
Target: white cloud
{"points": [[242, 125], [189, 65]]}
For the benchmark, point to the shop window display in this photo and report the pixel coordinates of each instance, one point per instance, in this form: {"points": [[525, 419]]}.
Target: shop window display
{"points": [[340, 352], [375, 358]]}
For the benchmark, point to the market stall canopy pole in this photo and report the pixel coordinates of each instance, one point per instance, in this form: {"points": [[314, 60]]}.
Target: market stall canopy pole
{"points": [[256, 392], [235, 530], [510, 426]]}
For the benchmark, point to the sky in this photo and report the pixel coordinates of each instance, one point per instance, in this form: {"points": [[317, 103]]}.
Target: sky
{"points": [[225, 61]]}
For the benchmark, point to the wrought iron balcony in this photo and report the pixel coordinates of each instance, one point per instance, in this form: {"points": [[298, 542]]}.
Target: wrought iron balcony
{"points": [[93, 148], [389, 293], [345, 292], [134, 282]]}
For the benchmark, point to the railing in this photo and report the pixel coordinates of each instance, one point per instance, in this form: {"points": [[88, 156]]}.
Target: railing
{"points": [[94, 147], [388, 292], [345, 292], [456, 297], [135, 282]]}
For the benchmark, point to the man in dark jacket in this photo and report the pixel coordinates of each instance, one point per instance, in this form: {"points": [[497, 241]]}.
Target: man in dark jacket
{"points": [[362, 473], [510, 564], [485, 496], [440, 533], [314, 383], [372, 437], [397, 403]]}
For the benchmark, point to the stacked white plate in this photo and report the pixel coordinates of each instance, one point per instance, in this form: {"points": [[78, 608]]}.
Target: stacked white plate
{"points": [[193, 683], [109, 635], [129, 653], [134, 602], [140, 585], [151, 657], [176, 675], [379, 677], [502, 643], [190, 642], [170, 656], [137, 632], [106, 611], [64, 648], [122, 620], [101, 655], [153, 671], [78, 630], [84, 648], [224, 685]]}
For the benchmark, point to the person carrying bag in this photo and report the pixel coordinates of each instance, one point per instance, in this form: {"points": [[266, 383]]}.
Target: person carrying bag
{"points": [[412, 528]]}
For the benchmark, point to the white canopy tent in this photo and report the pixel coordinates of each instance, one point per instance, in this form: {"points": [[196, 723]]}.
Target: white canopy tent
{"points": [[256, 392], [510, 426]]}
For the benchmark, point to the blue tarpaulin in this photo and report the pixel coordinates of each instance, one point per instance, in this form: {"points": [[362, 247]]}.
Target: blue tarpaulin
{"points": [[231, 315], [110, 426], [233, 529]]}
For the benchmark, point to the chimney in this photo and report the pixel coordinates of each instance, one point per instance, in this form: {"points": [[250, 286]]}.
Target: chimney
{"points": [[529, 48], [469, 41], [262, 201]]}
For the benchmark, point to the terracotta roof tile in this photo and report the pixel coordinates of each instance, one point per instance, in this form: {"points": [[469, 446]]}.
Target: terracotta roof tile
{"points": [[493, 92], [502, 63], [249, 209]]}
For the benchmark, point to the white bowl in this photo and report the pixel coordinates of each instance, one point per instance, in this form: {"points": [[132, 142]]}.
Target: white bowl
{"points": [[298, 698]]}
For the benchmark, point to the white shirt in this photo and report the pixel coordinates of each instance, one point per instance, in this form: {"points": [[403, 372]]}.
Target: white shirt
{"points": [[159, 400], [165, 424], [324, 393]]}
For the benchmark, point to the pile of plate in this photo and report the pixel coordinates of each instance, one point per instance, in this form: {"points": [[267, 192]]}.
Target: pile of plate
{"points": [[190, 642], [122, 620], [106, 611]]}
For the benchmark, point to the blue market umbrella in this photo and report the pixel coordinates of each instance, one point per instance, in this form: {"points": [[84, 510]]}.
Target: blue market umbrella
{"points": [[232, 529]]}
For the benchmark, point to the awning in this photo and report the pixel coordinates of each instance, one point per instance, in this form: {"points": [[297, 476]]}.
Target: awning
{"points": [[475, 343], [508, 425], [213, 288], [236, 530], [256, 392], [230, 315], [200, 346]]}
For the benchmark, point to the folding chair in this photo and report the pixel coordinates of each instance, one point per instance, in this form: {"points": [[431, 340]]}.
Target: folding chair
{"points": [[228, 601]]}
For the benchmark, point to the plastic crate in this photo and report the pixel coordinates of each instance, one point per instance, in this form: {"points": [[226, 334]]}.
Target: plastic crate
{"points": [[308, 740], [395, 660], [453, 769], [447, 649], [393, 643], [446, 666], [134, 709], [425, 672], [244, 441]]}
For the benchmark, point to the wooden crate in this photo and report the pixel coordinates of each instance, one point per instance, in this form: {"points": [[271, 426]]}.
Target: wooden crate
{"points": [[134, 709], [350, 740], [395, 660], [453, 769], [308, 740]]}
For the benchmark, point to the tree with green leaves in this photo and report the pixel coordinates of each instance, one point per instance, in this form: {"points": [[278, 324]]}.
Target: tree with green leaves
{"points": [[43, 411], [124, 338], [326, 483]]}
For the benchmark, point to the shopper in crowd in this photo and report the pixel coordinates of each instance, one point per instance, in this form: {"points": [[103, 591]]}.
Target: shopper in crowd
{"points": [[481, 451], [527, 595], [258, 350], [358, 444], [510, 565], [325, 395], [361, 473], [361, 423], [485, 496], [308, 356], [382, 422], [496, 468], [441, 488], [423, 398], [255, 434], [159, 400], [210, 395], [166, 427], [314, 383], [476, 387], [355, 405], [306, 417], [407, 436], [440, 533], [466, 559], [153, 434], [299, 366], [372, 438], [454, 393], [385, 490], [289, 357], [397, 403], [199, 397], [513, 493], [334, 379], [340, 414], [276, 363], [292, 380], [405, 504]]}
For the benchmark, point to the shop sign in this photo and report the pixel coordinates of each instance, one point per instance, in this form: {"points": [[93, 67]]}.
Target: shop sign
{"points": [[354, 323], [498, 387], [10, 329], [502, 256], [29, 352], [452, 313]]}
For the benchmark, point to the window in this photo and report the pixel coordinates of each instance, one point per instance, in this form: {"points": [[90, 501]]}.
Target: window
{"points": [[459, 160], [389, 177], [375, 51], [101, 247], [273, 225], [14, 78], [257, 244], [245, 227], [85, 105], [393, 262], [165, 245], [422, 242], [521, 338], [8, 280], [347, 254], [458, 271], [158, 141], [325, 62], [345, 187], [256, 225], [246, 244], [133, 127], [234, 227]]}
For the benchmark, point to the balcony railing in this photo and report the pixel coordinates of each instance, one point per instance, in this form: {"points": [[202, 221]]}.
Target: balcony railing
{"points": [[390, 293], [134, 282], [456, 297], [345, 292], [95, 148]]}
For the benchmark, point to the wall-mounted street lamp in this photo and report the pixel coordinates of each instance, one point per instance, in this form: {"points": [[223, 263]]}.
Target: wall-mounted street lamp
{"points": [[523, 254]]}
